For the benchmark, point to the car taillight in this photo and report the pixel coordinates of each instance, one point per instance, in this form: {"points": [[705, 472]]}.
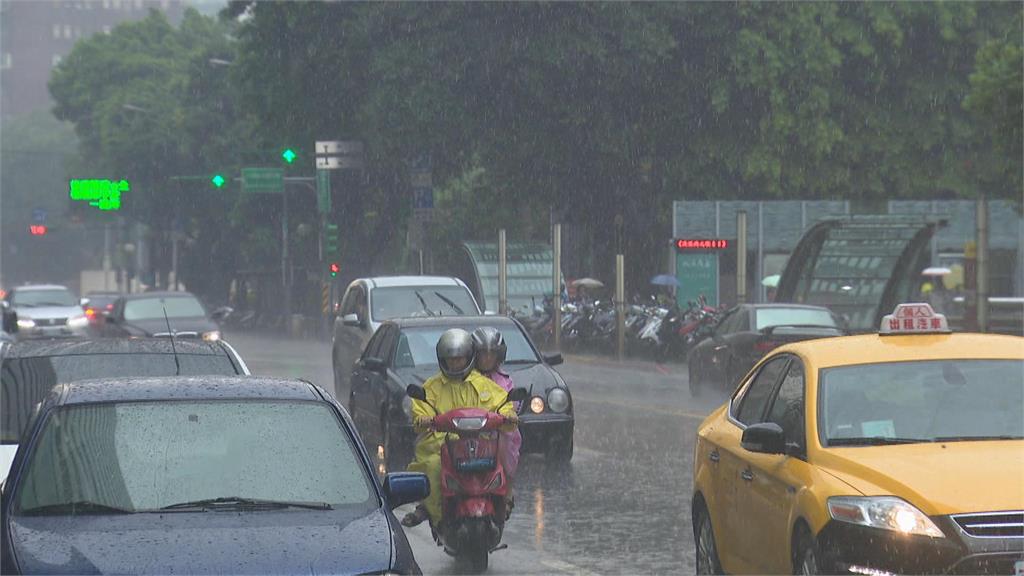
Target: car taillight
{"points": [[765, 345]]}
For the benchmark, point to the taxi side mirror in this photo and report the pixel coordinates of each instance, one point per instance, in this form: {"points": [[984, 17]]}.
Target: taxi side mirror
{"points": [[764, 438]]}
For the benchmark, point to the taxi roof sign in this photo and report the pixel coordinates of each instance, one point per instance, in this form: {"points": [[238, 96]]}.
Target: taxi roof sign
{"points": [[914, 318]]}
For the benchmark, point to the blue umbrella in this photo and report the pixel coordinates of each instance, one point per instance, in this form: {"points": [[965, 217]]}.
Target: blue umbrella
{"points": [[664, 280]]}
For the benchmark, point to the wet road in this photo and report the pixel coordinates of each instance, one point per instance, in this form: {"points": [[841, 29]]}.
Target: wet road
{"points": [[621, 505]]}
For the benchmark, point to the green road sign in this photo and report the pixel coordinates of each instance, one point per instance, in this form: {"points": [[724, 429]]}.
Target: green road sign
{"points": [[323, 191], [697, 273], [263, 180], [103, 194]]}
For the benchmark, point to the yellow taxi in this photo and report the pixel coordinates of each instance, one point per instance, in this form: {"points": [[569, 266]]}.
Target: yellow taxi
{"points": [[896, 452]]}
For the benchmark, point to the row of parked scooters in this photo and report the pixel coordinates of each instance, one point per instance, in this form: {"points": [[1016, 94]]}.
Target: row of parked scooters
{"points": [[652, 330]]}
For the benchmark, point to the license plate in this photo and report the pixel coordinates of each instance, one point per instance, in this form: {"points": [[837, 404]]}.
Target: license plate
{"points": [[1018, 568]]}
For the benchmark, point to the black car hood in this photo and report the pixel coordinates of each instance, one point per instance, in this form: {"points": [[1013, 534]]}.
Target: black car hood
{"points": [[286, 542], [151, 326]]}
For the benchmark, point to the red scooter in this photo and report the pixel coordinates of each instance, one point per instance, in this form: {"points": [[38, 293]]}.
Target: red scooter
{"points": [[473, 482]]}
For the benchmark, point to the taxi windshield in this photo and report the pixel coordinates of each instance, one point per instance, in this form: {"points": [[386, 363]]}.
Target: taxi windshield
{"points": [[923, 401]]}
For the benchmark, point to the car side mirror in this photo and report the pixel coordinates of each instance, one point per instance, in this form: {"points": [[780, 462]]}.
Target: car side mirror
{"points": [[404, 488], [373, 363], [764, 438], [416, 392], [351, 320], [553, 359], [518, 394]]}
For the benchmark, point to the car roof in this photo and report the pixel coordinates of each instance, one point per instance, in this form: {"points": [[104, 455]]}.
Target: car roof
{"points": [[435, 321], [76, 347], [160, 294], [130, 389], [389, 281], [874, 348], [38, 287]]}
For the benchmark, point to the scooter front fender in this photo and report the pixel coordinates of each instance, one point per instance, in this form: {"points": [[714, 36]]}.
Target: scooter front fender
{"points": [[474, 508]]}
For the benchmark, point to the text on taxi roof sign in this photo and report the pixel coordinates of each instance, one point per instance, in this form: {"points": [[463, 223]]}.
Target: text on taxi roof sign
{"points": [[915, 318]]}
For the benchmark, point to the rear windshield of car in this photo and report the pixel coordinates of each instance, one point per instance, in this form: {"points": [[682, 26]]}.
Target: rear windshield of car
{"points": [[26, 381], [768, 317], [177, 307], [143, 456], [921, 401], [418, 346], [101, 300], [416, 301], [49, 297]]}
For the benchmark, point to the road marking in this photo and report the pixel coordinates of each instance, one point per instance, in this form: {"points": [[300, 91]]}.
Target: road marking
{"points": [[645, 407]]}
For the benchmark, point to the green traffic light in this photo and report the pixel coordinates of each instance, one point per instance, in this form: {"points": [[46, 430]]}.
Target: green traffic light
{"points": [[289, 155], [218, 180]]}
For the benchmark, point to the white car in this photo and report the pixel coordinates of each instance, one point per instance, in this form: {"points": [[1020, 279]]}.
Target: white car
{"points": [[47, 311], [369, 301]]}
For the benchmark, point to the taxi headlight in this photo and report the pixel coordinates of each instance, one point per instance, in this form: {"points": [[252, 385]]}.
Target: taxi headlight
{"points": [[211, 336], [26, 323], [558, 400], [78, 321], [537, 405], [886, 512]]}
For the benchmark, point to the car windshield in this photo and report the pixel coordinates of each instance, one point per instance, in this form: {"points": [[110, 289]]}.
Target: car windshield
{"points": [[47, 297], [768, 317], [925, 400], [417, 346], [26, 381], [138, 456], [415, 301], [176, 306], [101, 300]]}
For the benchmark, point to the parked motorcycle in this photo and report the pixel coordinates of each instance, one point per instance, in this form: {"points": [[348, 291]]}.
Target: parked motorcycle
{"points": [[473, 482]]}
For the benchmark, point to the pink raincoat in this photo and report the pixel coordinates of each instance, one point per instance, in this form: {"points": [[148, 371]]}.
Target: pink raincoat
{"points": [[510, 441]]}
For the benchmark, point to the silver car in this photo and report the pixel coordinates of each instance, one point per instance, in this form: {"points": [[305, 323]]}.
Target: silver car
{"points": [[47, 311]]}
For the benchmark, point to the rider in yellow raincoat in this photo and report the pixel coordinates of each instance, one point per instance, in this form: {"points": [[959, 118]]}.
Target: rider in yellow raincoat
{"points": [[457, 385]]}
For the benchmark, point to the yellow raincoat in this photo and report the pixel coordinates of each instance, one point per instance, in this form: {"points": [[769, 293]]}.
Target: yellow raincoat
{"points": [[476, 391]]}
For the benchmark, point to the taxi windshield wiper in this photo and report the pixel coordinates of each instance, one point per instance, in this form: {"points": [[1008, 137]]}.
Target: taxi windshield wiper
{"points": [[875, 441], [75, 508], [238, 501], [971, 438]]}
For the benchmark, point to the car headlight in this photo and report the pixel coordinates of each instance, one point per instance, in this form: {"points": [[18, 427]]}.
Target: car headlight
{"points": [[886, 512], [26, 323], [558, 400], [211, 336], [78, 321], [537, 405]]}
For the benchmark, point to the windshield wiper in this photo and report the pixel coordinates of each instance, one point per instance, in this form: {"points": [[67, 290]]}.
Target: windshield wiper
{"points": [[450, 303], [970, 438], [74, 508], [875, 441], [238, 501], [424, 303]]}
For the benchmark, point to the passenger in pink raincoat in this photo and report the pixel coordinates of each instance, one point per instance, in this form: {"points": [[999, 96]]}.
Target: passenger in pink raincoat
{"points": [[490, 350]]}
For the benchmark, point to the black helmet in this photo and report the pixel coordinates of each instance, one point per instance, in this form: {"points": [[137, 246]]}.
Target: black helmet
{"points": [[488, 339], [455, 343]]}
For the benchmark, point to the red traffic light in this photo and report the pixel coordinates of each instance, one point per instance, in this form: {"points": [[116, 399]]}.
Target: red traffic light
{"points": [[37, 229], [335, 268]]}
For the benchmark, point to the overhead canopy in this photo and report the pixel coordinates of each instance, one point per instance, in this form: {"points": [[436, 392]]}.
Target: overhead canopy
{"points": [[529, 269]]}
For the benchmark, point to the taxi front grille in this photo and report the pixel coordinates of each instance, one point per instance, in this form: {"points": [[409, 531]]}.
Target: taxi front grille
{"points": [[992, 524]]}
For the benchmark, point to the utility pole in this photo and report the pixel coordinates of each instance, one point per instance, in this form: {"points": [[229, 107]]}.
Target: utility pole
{"points": [[556, 283], [741, 257], [502, 274], [982, 264]]}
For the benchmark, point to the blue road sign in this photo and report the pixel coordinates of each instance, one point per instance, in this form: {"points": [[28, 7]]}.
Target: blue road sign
{"points": [[38, 215]]}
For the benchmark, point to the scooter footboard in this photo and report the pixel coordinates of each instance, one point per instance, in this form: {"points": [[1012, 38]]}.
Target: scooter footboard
{"points": [[474, 507]]}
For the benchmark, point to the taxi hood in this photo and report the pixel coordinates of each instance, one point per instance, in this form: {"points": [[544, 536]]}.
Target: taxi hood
{"points": [[939, 478]]}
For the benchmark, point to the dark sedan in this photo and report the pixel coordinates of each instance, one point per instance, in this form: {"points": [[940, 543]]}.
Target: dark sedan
{"points": [[402, 352], [202, 474], [29, 369], [143, 314], [747, 332]]}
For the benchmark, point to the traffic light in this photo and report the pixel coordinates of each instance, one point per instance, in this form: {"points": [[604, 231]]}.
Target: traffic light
{"points": [[37, 229], [331, 239], [289, 155], [334, 268], [218, 180]]}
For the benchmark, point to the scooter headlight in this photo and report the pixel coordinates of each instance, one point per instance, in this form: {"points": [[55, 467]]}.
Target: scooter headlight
{"points": [[474, 423], [558, 400]]}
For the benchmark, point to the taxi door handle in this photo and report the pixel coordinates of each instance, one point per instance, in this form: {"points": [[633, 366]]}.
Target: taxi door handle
{"points": [[747, 475], [713, 455]]}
